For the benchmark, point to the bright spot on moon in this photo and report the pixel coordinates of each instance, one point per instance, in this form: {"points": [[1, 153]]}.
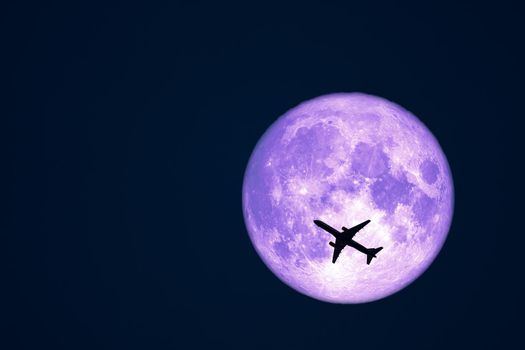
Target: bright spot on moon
{"points": [[343, 159]]}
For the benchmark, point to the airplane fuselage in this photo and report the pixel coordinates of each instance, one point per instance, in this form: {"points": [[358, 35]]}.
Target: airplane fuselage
{"points": [[353, 244]]}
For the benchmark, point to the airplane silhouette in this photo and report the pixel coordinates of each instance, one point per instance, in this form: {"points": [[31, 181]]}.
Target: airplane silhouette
{"points": [[342, 239]]}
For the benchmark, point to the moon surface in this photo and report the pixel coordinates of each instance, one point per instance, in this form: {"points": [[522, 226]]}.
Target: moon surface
{"points": [[345, 158]]}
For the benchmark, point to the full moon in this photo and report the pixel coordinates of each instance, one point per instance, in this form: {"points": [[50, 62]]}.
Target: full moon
{"points": [[343, 159]]}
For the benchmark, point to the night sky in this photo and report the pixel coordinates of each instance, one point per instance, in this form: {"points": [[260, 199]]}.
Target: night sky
{"points": [[129, 127]]}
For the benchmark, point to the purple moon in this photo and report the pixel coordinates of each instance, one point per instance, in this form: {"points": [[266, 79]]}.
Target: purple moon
{"points": [[343, 159]]}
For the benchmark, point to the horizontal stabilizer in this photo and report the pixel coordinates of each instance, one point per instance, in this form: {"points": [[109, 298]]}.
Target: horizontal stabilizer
{"points": [[371, 253]]}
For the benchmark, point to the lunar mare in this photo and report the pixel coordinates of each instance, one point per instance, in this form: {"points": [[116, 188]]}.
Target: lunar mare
{"points": [[343, 159]]}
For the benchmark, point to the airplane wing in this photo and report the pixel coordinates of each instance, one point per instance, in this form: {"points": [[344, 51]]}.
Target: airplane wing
{"points": [[350, 233], [338, 247], [327, 228]]}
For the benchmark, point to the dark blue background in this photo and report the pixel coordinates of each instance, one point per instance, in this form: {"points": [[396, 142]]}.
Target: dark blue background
{"points": [[130, 125]]}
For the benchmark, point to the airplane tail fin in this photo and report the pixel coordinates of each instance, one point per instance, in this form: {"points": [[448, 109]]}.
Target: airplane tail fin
{"points": [[371, 253]]}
